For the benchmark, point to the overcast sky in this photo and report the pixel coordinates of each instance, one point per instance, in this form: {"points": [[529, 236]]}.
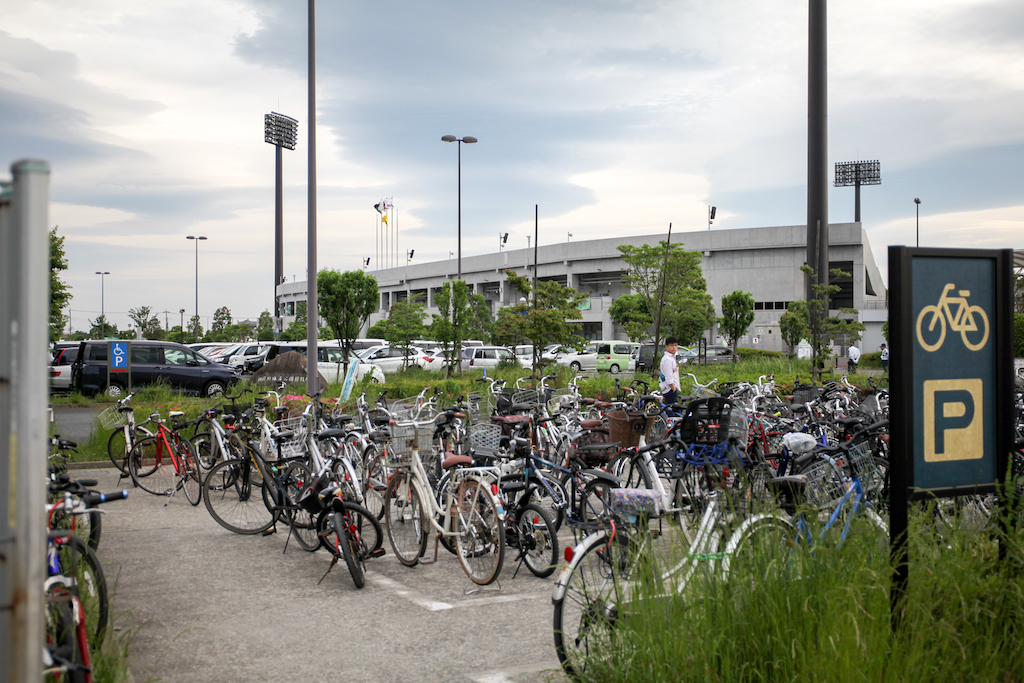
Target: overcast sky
{"points": [[615, 117]]}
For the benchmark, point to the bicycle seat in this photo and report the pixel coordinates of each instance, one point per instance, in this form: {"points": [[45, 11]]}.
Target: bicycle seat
{"points": [[591, 424], [342, 419], [456, 460], [125, 409], [282, 436], [175, 413], [380, 436], [381, 420], [331, 433], [603, 404]]}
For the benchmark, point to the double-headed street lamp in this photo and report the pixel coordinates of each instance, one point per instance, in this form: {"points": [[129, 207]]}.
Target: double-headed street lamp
{"points": [[193, 237], [103, 314], [468, 140]]}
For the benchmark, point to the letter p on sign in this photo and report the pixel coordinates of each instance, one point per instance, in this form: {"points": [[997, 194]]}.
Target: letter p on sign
{"points": [[953, 427]]}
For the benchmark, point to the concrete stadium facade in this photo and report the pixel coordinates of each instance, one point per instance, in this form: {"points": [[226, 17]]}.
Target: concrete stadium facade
{"points": [[762, 261]]}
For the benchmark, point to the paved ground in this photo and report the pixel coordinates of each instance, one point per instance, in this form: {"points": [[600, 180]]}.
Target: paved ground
{"points": [[210, 605], [75, 422]]}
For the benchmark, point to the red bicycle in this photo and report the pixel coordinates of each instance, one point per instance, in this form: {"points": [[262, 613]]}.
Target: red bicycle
{"points": [[165, 462]]}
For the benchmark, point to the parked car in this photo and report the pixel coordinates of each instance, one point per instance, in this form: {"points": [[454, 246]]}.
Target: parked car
{"points": [[391, 358], [330, 361], [241, 354], [64, 354], [431, 360], [715, 354], [615, 357], [475, 357], [151, 361], [583, 359]]}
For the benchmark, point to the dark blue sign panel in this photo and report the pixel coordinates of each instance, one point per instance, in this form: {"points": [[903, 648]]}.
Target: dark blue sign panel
{"points": [[119, 356], [953, 368]]}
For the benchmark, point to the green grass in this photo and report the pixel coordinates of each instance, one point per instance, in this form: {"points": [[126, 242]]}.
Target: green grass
{"points": [[827, 618]]}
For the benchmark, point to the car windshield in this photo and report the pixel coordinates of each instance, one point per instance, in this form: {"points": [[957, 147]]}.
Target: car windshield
{"points": [[687, 353]]}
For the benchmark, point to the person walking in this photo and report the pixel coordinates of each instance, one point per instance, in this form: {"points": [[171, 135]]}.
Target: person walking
{"points": [[885, 359], [854, 357], [670, 372]]}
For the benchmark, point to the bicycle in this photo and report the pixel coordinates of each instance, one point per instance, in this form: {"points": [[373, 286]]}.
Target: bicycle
{"points": [[121, 418], [164, 463], [471, 514], [963, 321], [348, 531]]}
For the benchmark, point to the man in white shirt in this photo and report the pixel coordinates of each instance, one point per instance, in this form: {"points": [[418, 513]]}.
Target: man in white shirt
{"points": [[885, 359], [670, 372], [854, 356]]}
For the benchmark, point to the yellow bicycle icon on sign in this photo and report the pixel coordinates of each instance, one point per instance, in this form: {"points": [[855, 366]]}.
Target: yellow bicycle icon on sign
{"points": [[964, 321]]}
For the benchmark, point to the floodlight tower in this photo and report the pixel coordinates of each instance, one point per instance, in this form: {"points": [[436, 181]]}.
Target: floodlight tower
{"points": [[281, 131], [857, 173]]}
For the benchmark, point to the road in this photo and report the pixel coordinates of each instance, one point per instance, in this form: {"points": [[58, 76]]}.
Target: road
{"points": [[209, 605]]}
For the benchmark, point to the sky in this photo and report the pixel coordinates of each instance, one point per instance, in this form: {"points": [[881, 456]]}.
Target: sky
{"points": [[614, 117]]}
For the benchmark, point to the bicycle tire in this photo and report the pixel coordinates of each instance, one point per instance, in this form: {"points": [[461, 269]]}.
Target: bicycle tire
{"points": [[229, 497], [62, 636], [191, 474], [586, 610], [594, 505], [537, 539], [480, 537], [347, 542], [293, 483], [368, 529], [76, 559], [441, 495], [152, 468], [631, 469], [553, 501], [404, 518], [117, 449], [762, 549]]}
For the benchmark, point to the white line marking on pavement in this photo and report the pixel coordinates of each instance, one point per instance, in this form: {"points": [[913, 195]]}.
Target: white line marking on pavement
{"points": [[409, 594], [506, 675], [473, 602]]}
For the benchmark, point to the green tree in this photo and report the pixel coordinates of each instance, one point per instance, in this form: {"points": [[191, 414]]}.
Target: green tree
{"points": [[60, 292], [176, 334], [547, 322], [141, 317], [101, 328], [221, 319], [449, 323], [195, 328], [265, 326], [794, 325], [346, 301], [297, 328], [479, 324], [405, 325], [378, 330], [737, 314], [825, 329], [153, 329], [671, 283], [630, 312]]}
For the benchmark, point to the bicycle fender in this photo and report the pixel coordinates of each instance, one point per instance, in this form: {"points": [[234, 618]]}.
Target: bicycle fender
{"points": [[593, 539], [601, 474]]}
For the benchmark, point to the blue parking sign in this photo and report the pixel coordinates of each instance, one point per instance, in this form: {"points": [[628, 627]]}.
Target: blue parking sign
{"points": [[119, 356]]}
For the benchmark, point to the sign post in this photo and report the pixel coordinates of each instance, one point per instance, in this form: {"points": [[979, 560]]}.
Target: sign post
{"points": [[119, 360], [951, 389]]}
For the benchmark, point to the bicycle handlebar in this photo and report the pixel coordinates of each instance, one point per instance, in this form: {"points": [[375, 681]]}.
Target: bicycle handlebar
{"points": [[91, 500]]}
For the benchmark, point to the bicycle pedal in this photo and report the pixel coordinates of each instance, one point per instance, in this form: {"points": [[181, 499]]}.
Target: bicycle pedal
{"points": [[655, 533], [268, 532], [427, 559], [379, 552]]}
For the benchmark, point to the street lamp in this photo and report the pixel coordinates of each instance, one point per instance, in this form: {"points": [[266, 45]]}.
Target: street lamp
{"points": [[917, 219], [103, 314], [181, 335], [282, 132], [468, 140], [192, 237]]}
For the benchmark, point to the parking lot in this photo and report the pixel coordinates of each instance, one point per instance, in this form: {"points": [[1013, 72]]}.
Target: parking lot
{"points": [[204, 604]]}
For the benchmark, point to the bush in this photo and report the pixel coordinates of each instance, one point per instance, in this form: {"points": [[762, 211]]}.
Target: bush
{"points": [[1018, 335], [747, 354]]}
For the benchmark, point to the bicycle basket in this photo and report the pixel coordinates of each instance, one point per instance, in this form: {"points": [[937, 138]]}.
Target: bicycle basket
{"points": [[405, 408], [485, 439], [526, 396], [295, 445], [825, 484], [407, 437], [627, 428], [111, 418], [714, 420]]}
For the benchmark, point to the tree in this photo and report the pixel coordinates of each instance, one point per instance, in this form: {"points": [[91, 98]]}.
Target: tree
{"points": [[669, 280], [141, 317], [405, 325], [101, 328], [195, 328], [60, 293], [297, 328], [378, 330], [630, 312], [346, 301], [548, 320], [449, 324], [825, 329], [153, 329], [221, 319], [265, 326], [794, 325], [479, 324], [176, 334], [737, 314]]}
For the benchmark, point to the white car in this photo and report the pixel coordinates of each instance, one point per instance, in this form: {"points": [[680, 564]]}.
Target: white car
{"points": [[330, 361], [476, 357], [584, 359], [431, 360], [391, 358]]}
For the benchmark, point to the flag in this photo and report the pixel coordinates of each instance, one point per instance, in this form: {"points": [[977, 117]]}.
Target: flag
{"points": [[384, 219], [379, 206], [388, 204]]}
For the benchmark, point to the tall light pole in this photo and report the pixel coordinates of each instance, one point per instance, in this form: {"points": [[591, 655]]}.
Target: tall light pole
{"points": [[193, 237], [181, 339], [468, 140], [281, 131], [103, 314], [917, 219]]}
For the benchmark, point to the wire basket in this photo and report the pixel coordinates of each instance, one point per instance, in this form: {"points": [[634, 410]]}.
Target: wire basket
{"points": [[526, 396], [561, 398], [825, 483], [112, 418], [485, 439], [405, 408], [407, 437], [295, 445], [714, 420]]}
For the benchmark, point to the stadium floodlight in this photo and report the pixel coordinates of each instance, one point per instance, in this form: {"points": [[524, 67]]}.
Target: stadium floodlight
{"points": [[857, 173], [282, 132]]}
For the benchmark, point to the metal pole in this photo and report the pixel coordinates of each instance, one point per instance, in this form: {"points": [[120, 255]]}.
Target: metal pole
{"points": [[817, 144], [312, 328], [661, 295], [460, 207], [195, 330], [536, 224], [278, 230], [22, 570], [917, 221]]}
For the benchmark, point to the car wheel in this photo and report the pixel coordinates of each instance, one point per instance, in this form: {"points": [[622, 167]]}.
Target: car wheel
{"points": [[575, 366], [214, 388], [614, 369], [115, 390]]}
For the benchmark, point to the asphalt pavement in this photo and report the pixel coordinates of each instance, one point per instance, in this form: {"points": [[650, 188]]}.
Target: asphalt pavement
{"points": [[204, 604]]}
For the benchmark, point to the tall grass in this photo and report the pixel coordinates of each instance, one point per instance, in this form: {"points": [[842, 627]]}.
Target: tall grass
{"points": [[827, 618]]}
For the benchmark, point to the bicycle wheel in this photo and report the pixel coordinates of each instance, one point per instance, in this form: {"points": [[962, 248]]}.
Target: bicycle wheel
{"points": [[78, 561], [589, 601], [631, 469], [550, 495], [233, 501], [762, 549], [152, 468], [293, 484], [348, 553], [404, 517], [980, 333], [117, 449], [538, 540], [62, 638], [191, 475], [480, 537], [366, 526], [594, 504], [206, 449]]}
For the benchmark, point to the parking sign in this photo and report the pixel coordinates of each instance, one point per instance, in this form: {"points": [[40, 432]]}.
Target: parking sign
{"points": [[119, 356]]}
